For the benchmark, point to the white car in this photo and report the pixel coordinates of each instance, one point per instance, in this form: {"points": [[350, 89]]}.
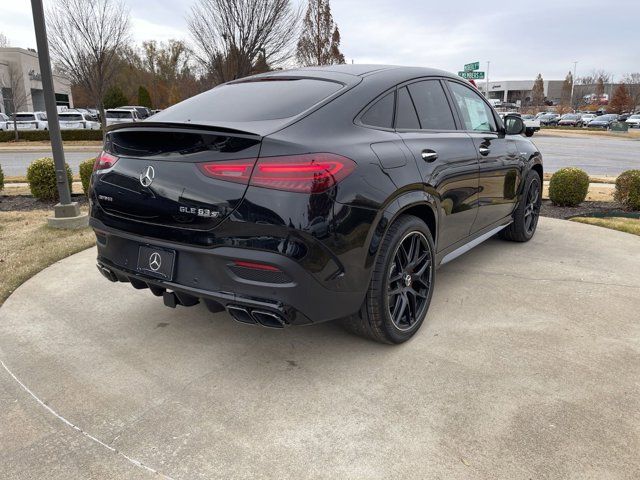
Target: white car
{"points": [[77, 120], [4, 122], [586, 118], [32, 121], [633, 121], [115, 116]]}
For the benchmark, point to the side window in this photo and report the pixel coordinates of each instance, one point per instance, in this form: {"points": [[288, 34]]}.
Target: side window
{"points": [[476, 114], [380, 114], [432, 106], [406, 116]]}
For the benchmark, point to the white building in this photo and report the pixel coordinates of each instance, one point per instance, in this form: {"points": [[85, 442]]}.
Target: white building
{"points": [[22, 65], [520, 91]]}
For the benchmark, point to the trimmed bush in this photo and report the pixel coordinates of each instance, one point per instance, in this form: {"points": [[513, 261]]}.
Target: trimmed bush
{"points": [[628, 189], [86, 169], [568, 187], [1, 178], [39, 135], [41, 176]]}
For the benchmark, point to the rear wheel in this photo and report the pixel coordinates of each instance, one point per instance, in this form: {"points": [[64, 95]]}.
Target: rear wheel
{"points": [[526, 214], [401, 286]]}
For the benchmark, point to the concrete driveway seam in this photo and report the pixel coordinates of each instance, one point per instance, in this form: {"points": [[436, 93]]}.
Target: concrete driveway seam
{"points": [[131, 460]]}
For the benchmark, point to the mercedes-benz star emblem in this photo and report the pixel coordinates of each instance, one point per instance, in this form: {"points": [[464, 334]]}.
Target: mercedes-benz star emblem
{"points": [[155, 261], [146, 177]]}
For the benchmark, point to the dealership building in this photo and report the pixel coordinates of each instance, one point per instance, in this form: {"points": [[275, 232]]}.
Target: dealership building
{"points": [[520, 92], [20, 71]]}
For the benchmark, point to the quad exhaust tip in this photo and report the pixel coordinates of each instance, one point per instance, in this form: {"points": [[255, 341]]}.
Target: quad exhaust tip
{"points": [[261, 317]]}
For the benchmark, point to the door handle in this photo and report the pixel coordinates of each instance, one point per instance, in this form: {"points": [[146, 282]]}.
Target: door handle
{"points": [[429, 155], [484, 150]]}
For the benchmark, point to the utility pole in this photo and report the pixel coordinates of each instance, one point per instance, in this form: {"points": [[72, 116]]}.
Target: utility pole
{"points": [[67, 213], [487, 82], [573, 82]]}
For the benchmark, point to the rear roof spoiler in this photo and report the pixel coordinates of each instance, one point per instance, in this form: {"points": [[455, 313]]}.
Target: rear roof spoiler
{"points": [[146, 125]]}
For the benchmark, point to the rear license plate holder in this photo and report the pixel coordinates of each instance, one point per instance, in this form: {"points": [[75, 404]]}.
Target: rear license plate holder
{"points": [[156, 262]]}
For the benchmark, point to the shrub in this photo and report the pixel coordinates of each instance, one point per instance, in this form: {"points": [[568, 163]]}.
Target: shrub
{"points": [[41, 176], [1, 178], [39, 135], [86, 169], [568, 187], [628, 189]]}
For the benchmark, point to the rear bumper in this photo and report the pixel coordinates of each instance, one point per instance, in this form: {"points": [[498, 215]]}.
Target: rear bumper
{"points": [[210, 275]]}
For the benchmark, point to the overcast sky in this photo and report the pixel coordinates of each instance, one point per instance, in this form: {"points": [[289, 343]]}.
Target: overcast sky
{"points": [[519, 38]]}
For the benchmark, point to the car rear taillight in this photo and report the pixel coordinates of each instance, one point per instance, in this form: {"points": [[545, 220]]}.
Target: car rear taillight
{"points": [[238, 171], [309, 173], [104, 161]]}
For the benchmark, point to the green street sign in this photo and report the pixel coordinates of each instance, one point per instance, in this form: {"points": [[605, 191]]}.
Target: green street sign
{"points": [[470, 67], [472, 75]]}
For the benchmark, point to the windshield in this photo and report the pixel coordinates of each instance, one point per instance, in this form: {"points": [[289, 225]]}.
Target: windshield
{"points": [[252, 101], [635, 117], [570, 117], [112, 114], [70, 117], [25, 117]]}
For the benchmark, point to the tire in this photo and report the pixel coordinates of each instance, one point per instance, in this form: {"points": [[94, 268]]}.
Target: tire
{"points": [[527, 213], [529, 133], [392, 284]]}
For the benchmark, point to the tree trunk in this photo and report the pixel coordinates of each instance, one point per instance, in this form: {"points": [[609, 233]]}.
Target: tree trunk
{"points": [[15, 127]]}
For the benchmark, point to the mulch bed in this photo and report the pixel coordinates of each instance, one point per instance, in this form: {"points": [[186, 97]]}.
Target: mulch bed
{"points": [[23, 203], [585, 208]]}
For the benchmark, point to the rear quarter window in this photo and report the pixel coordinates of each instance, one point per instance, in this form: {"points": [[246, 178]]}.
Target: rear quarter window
{"points": [[380, 114], [256, 100]]}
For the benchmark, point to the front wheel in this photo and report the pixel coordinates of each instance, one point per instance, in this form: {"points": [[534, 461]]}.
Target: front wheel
{"points": [[527, 213], [401, 286]]}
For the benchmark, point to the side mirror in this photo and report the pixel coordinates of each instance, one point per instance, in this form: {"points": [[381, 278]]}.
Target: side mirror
{"points": [[513, 125]]}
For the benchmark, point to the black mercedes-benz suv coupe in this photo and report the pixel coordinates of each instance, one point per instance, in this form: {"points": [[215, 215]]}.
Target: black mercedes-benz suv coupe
{"points": [[302, 196]]}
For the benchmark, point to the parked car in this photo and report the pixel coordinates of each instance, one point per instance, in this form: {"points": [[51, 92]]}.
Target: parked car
{"points": [[70, 120], [115, 116], [570, 120], [603, 121], [31, 121], [531, 123], [586, 118], [623, 117], [4, 122], [633, 121], [549, 120], [143, 112], [302, 196]]}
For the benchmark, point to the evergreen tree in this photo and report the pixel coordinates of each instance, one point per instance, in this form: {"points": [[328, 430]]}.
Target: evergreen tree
{"points": [[319, 42], [565, 96], [538, 91], [144, 98], [114, 97]]}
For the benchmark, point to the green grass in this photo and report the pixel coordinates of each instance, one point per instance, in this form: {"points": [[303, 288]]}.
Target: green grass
{"points": [[622, 224]]}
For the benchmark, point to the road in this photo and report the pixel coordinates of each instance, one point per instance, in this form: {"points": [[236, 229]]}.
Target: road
{"points": [[527, 366], [600, 156], [15, 162]]}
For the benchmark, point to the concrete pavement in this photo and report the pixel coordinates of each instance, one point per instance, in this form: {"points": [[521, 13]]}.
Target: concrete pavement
{"points": [[526, 367]]}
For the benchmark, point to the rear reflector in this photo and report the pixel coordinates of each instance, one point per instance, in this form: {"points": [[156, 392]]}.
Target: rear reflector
{"points": [[104, 161], [256, 266]]}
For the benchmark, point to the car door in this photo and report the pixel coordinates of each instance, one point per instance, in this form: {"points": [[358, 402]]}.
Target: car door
{"points": [[446, 156], [500, 165]]}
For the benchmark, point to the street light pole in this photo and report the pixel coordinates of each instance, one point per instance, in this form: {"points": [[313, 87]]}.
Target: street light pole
{"points": [[67, 213], [573, 82], [487, 82]]}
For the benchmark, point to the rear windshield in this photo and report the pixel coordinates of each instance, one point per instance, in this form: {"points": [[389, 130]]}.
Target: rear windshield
{"points": [[252, 101], [69, 117], [112, 114], [24, 117]]}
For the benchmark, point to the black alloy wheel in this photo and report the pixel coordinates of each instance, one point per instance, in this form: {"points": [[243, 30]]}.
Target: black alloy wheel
{"points": [[409, 281], [527, 213], [532, 207]]}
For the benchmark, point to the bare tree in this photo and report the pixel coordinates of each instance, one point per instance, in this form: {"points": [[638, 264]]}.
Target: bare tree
{"points": [[632, 80], [565, 96], [231, 35], [85, 38], [538, 92], [14, 94], [319, 43], [4, 41]]}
